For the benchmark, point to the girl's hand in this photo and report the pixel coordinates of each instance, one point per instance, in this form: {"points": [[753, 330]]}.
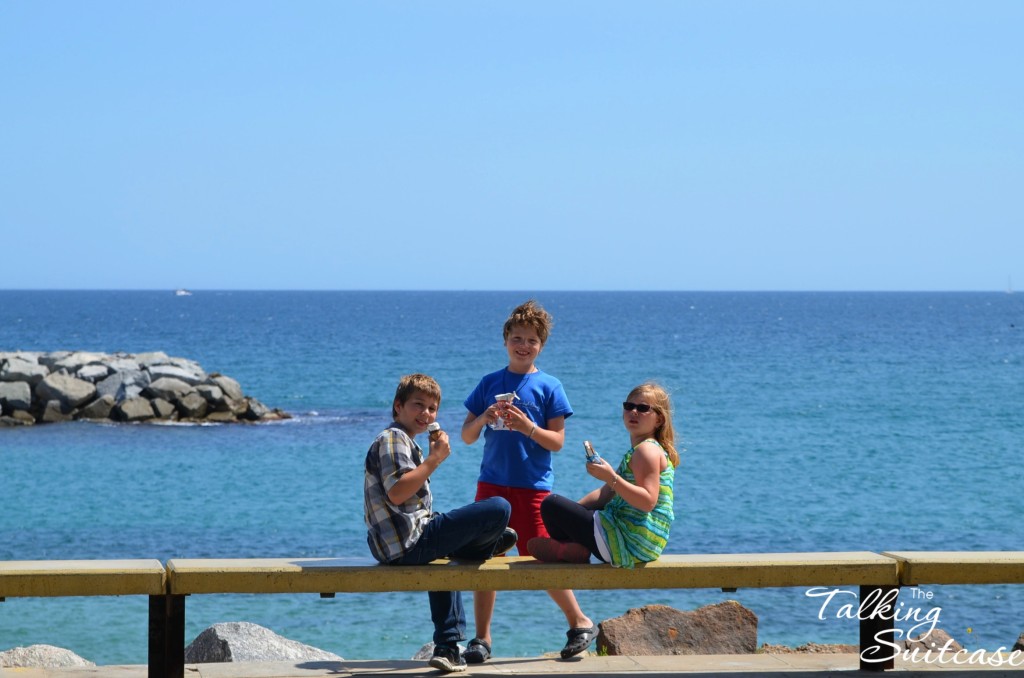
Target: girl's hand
{"points": [[601, 470]]}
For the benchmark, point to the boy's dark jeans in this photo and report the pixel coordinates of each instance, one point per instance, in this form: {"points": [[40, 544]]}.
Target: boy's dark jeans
{"points": [[466, 533]]}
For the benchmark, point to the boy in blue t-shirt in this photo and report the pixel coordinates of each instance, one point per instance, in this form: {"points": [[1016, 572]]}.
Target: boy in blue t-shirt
{"points": [[521, 411]]}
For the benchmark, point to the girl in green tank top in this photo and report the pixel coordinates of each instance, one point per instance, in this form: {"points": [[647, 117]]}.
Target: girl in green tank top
{"points": [[626, 520]]}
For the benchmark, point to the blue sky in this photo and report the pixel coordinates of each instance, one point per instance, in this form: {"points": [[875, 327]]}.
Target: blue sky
{"points": [[531, 145]]}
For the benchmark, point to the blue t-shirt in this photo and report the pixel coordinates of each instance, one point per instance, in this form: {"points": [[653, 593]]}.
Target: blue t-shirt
{"points": [[510, 458]]}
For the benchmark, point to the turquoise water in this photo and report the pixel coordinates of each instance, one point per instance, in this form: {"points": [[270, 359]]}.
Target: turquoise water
{"points": [[810, 422]]}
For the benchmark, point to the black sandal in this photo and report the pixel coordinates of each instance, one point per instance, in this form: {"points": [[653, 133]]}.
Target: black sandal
{"points": [[579, 640], [477, 652]]}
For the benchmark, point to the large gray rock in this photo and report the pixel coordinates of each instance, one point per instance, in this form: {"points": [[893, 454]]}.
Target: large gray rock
{"points": [[124, 385], [232, 389], [55, 411], [77, 360], [168, 388], [17, 368], [724, 628], [41, 656], [247, 642], [15, 395], [190, 377], [66, 389], [99, 408], [93, 372], [133, 409], [192, 406]]}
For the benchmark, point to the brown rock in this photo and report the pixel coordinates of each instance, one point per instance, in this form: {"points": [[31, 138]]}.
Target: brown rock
{"points": [[724, 628], [1019, 645]]}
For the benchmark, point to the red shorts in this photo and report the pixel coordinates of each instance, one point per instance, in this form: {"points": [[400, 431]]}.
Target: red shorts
{"points": [[525, 519]]}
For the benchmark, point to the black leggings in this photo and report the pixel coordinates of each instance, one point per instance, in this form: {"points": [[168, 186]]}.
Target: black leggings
{"points": [[567, 520]]}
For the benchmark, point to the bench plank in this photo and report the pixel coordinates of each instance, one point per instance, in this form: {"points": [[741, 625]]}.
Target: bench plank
{"points": [[49, 578], [330, 575], [959, 567]]}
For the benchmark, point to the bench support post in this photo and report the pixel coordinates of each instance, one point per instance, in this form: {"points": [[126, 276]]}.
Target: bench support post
{"points": [[876, 622], [166, 636]]}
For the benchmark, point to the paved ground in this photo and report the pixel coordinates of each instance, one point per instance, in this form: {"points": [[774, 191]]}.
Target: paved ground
{"points": [[693, 666]]}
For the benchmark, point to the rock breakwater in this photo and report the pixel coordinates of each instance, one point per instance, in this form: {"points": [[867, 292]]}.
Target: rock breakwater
{"points": [[146, 387]]}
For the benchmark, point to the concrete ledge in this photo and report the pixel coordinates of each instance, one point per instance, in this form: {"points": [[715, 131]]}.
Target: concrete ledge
{"points": [[959, 567], [48, 578], [328, 575]]}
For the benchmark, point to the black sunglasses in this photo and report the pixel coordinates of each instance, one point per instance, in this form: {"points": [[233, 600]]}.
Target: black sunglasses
{"points": [[642, 408]]}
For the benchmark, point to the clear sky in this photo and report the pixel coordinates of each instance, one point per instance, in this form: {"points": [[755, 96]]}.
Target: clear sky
{"points": [[719, 145]]}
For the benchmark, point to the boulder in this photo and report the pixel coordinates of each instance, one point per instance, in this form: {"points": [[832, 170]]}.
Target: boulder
{"points": [[15, 395], [190, 377], [1019, 645], [152, 358], [133, 409], [168, 388], [192, 406], [92, 373], [163, 409], [124, 385], [20, 369], [66, 389], [232, 389], [213, 394], [41, 656], [55, 411], [75, 361], [724, 628], [99, 408], [247, 642]]}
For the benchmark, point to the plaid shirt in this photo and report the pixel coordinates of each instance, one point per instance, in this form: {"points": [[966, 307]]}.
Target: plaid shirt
{"points": [[392, 529]]}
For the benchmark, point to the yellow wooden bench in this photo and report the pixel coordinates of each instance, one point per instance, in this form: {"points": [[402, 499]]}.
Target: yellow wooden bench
{"points": [[327, 576], [959, 567], [59, 578]]}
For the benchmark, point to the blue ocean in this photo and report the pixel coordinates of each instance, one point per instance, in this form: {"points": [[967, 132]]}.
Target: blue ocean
{"points": [[809, 422]]}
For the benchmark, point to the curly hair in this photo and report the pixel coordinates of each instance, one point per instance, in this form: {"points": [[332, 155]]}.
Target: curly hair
{"points": [[530, 314]]}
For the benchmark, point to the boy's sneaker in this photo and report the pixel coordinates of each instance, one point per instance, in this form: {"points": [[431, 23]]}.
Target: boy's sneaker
{"points": [[448, 659], [505, 542]]}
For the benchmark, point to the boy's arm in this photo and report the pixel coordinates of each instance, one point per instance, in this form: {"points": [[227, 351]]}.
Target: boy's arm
{"points": [[411, 481]]}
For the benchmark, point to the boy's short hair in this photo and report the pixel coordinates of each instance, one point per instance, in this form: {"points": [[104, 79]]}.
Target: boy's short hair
{"points": [[411, 383], [530, 314]]}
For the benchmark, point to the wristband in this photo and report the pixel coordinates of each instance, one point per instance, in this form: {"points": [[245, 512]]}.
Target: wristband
{"points": [[532, 431]]}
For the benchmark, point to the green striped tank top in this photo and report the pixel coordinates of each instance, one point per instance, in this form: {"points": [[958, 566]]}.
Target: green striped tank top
{"points": [[635, 536]]}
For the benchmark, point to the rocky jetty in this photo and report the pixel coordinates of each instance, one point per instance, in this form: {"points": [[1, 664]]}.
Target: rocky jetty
{"points": [[145, 387]]}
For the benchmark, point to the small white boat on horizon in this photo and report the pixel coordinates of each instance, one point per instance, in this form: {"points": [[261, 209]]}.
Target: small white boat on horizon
{"points": [[182, 292]]}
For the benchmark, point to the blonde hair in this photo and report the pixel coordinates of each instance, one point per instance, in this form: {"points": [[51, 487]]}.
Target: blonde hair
{"points": [[662, 404], [530, 314], [411, 383]]}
